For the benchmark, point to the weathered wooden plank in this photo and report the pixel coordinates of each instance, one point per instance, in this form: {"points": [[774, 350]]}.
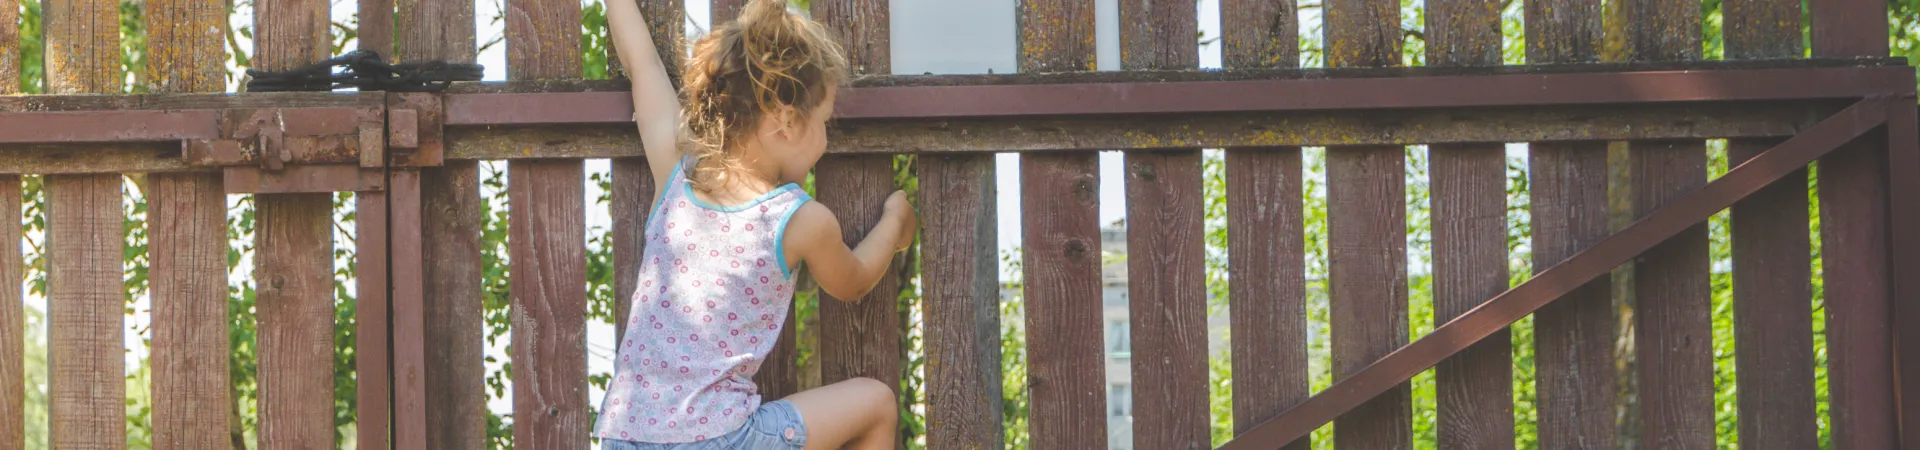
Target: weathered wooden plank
{"points": [[1672, 287], [1672, 293], [723, 11], [293, 268], [1168, 310], [1773, 310], [84, 302], [1854, 249], [374, 329], [191, 390], [632, 203], [455, 333], [1265, 245], [1059, 203], [86, 240], [549, 303], [1366, 219], [962, 296], [1167, 266], [1573, 336], [1059, 221], [548, 244], [1265, 238], [859, 337], [1772, 267], [293, 278], [1252, 130], [12, 318], [187, 220], [1366, 222], [376, 19], [1475, 387], [435, 30], [9, 57]]}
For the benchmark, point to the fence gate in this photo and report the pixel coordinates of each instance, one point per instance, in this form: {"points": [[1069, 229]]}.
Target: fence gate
{"points": [[412, 158]]}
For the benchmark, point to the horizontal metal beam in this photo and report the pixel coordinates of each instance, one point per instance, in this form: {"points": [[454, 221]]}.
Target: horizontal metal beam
{"points": [[1240, 96], [1424, 126], [1562, 278]]}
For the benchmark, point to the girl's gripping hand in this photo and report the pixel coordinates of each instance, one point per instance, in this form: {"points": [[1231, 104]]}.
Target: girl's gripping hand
{"points": [[902, 213]]}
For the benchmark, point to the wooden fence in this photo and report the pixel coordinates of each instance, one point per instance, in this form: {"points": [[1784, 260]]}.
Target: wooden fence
{"points": [[414, 160]]}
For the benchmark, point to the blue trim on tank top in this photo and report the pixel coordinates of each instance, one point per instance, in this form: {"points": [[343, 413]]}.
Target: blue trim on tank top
{"points": [[780, 239]]}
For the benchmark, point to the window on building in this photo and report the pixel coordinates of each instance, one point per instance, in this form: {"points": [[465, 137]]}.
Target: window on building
{"points": [[1120, 396], [1120, 341]]}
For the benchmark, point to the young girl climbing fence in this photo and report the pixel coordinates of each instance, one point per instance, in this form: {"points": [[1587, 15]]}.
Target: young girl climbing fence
{"points": [[729, 227]]}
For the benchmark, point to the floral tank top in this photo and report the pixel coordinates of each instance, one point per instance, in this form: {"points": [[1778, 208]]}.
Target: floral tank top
{"points": [[713, 292]]}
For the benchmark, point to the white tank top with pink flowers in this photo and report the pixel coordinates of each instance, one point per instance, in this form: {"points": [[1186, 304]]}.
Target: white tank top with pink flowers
{"points": [[713, 292]]}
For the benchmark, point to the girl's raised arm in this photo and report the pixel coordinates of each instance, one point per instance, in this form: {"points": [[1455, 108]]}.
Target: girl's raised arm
{"points": [[656, 107]]}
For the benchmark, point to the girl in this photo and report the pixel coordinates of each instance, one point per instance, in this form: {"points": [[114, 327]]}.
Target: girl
{"points": [[728, 227]]}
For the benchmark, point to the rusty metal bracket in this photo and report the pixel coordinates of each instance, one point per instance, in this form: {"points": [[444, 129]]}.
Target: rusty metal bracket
{"points": [[416, 124]]}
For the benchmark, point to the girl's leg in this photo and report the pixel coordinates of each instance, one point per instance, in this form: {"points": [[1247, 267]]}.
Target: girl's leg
{"points": [[859, 413]]}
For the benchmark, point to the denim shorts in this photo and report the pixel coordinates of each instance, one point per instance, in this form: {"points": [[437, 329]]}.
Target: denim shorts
{"points": [[775, 425]]}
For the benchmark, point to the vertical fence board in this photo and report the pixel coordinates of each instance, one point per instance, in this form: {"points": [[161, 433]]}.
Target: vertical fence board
{"points": [[451, 294], [1059, 203], [192, 394], [723, 11], [86, 386], [1772, 262], [1475, 387], [1060, 224], [187, 222], [632, 201], [9, 63], [1366, 220], [1672, 291], [1166, 262], [547, 237], [1853, 242], [860, 338], [12, 315], [372, 339], [1573, 336], [376, 19], [1672, 286], [85, 298], [293, 279], [962, 302], [453, 297], [1265, 238], [293, 271], [548, 244]]}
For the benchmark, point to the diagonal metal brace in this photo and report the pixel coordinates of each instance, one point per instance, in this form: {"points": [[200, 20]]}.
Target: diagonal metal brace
{"points": [[1502, 310]]}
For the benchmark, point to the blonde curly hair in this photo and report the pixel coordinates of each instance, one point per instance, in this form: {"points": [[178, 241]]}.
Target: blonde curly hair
{"points": [[746, 70]]}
